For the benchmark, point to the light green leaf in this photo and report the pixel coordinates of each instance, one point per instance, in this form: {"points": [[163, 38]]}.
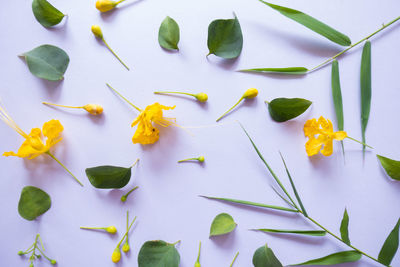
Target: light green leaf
{"points": [[389, 248], [33, 202], [222, 224], [265, 257], [284, 109], [225, 38], [108, 176], [47, 62], [290, 70], [365, 81], [313, 24], [298, 232], [46, 14], [344, 228], [158, 253], [335, 258], [392, 167], [168, 34]]}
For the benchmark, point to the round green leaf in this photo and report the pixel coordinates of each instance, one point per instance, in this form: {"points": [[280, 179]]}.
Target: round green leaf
{"points": [[222, 224], [158, 254], [46, 14], [265, 257], [225, 38], [168, 34], [33, 202], [47, 62], [284, 109], [106, 177], [392, 167]]}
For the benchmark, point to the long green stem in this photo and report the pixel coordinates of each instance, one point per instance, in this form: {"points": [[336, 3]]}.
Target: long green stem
{"points": [[126, 234], [112, 51], [124, 98], [353, 45], [127, 226], [234, 259], [362, 143], [198, 254], [120, 1], [57, 105], [183, 160], [32, 257], [237, 103], [62, 165], [92, 228], [181, 93]]}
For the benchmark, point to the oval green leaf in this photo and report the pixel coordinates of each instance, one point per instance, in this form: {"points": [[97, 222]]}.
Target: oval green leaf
{"points": [[290, 70], [46, 14], [157, 254], [33, 202], [265, 257], [389, 248], [337, 97], [168, 34], [335, 258], [392, 167], [313, 24], [344, 228], [297, 232], [225, 38], [284, 109], [106, 177], [222, 224], [47, 62], [366, 90]]}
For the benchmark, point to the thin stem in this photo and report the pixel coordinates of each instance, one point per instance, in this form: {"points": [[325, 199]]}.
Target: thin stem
{"points": [[353, 45], [362, 143], [57, 105], [130, 191], [266, 102], [198, 254], [120, 1], [183, 160], [129, 102], [237, 254], [112, 51], [133, 165], [127, 226], [176, 242], [32, 257], [62, 165], [44, 255], [237, 103], [181, 93], [92, 228], [123, 237]]}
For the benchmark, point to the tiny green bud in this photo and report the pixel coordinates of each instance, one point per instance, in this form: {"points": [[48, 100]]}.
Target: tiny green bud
{"points": [[21, 252], [200, 159], [53, 262], [38, 256], [123, 198], [250, 93], [111, 229], [96, 30], [31, 265], [202, 97], [125, 247]]}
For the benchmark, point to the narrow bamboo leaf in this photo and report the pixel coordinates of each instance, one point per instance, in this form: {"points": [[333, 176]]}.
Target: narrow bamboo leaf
{"points": [[390, 246], [46, 14], [298, 232], [337, 97], [222, 224], [344, 228], [106, 177], [365, 81], [265, 257], [168, 34], [249, 203], [225, 38], [392, 167], [335, 258], [33, 202], [284, 109], [313, 24], [290, 70], [158, 253]]}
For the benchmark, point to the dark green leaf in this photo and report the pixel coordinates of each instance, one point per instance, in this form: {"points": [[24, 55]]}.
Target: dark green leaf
{"points": [[265, 257], [284, 109], [313, 24], [365, 80], [46, 14], [47, 62], [291, 70], [298, 232], [108, 176], [337, 97], [225, 38], [168, 34], [390, 246], [392, 167], [158, 253], [222, 224], [335, 258], [33, 202], [344, 228]]}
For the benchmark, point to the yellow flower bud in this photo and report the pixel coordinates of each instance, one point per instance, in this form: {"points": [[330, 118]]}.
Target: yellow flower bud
{"points": [[197, 264], [125, 247], [96, 30], [250, 93], [202, 97], [116, 256], [105, 5], [201, 159], [111, 229], [93, 109], [53, 262]]}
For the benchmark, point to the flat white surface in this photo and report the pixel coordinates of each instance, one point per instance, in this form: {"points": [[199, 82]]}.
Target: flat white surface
{"points": [[167, 202]]}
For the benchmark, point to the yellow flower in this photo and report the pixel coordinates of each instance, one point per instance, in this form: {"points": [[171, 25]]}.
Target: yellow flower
{"points": [[146, 133], [324, 129], [116, 256], [105, 5]]}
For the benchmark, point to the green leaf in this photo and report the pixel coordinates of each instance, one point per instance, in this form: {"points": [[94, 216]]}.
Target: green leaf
{"points": [[335, 258], [298, 232], [46, 14], [337, 97], [392, 167], [284, 109], [47, 62], [313, 24], [344, 228], [290, 70], [265, 257], [225, 38], [109, 176], [222, 224], [365, 80], [168, 34], [33, 202], [158, 253], [390, 246]]}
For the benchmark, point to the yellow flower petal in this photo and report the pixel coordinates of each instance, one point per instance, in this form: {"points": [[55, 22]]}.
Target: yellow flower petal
{"points": [[328, 147], [311, 128], [314, 145], [340, 135]]}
